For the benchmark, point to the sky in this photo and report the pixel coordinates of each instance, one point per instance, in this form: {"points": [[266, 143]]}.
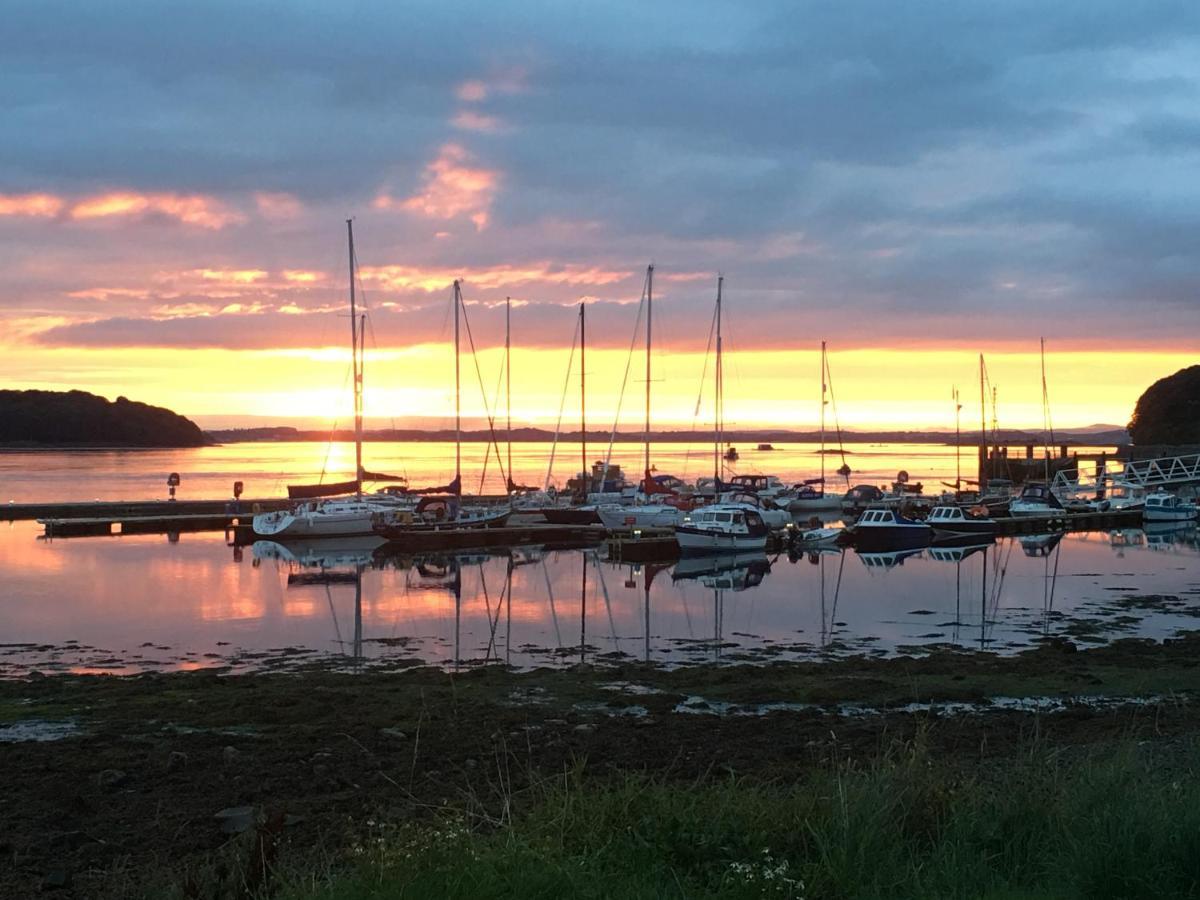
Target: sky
{"points": [[914, 183]]}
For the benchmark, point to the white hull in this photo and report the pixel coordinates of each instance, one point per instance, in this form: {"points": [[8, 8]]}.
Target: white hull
{"points": [[651, 516], [315, 523], [715, 542], [1025, 508], [1177, 514], [815, 504]]}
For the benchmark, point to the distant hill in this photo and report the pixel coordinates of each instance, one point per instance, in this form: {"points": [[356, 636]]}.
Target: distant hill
{"points": [[1169, 410], [80, 419]]}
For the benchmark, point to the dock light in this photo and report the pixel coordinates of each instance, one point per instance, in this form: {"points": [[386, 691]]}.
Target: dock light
{"points": [[637, 534], [172, 483]]}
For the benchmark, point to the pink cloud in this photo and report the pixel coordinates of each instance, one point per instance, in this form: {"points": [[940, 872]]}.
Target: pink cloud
{"points": [[278, 206], [472, 91], [190, 209], [452, 188], [400, 278], [469, 120], [32, 205]]}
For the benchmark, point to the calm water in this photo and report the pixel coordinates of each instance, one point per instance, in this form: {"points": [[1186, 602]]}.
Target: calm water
{"points": [[267, 469], [131, 603]]}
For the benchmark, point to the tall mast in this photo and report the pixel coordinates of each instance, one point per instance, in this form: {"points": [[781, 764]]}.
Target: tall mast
{"points": [[356, 366], [508, 379], [457, 396], [984, 462], [1046, 435], [584, 474], [649, 321], [823, 389], [957, 442], [718, 397]]}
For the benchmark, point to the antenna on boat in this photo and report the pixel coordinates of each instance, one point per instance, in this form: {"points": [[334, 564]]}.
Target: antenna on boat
{"points": [[356, 366], [957, 440], [984, 462]]}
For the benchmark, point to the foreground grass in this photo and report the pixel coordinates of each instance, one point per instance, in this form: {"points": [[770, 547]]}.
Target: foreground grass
{"points": [[1121, 822]]}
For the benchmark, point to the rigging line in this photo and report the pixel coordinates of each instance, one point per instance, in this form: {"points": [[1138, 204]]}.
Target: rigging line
{"points": [[612, 625], [562, 406], [495, 405], [553, 611], [332, 433], [637, 327], [837, 424], [491, 419]]}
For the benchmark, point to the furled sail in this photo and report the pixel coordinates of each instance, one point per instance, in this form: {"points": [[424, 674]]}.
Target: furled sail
{"points": [[310, 491]]}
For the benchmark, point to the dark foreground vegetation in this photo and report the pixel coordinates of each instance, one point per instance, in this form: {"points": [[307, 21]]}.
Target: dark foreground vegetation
{"points": [[80, 419], [616, 782]]}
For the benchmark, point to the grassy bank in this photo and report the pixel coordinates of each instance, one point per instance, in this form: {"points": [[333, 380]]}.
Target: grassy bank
{"points": [[910, 776], [1121, 821]]}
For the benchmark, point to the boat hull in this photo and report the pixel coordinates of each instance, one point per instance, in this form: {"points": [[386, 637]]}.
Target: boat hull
{"points": [[965, 528], [1179, 514], [814, 504], [700, 540], [892, 537], [570, 515], [655, 516], [293, 525], [399, 531]]}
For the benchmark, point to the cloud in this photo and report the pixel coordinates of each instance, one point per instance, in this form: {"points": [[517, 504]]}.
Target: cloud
{"points": [[469, 120], [189, 209], [452, 188], [278, 206], [31, 205], [398, 277]]}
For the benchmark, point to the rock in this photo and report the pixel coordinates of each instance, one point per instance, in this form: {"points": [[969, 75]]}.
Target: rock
{"points": [[112, 778], [394, 734], [643, 722], [235, 819], [470, 763], [230, 756], [56, 879], [556, 721], [320, 770], [176, 761], [585, 728]]}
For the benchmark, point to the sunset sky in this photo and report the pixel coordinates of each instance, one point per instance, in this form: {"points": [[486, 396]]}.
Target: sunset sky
{"points": [[914, 182]]}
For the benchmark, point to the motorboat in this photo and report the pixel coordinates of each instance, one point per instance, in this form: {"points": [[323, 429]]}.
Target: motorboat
{"points": [[768, 486], [1036, 499], [954, 520], [723, 527], [882, 528], [860, 497], [731, 454], [813, 538], [1164, 507], [444, 513], [774, 516]]}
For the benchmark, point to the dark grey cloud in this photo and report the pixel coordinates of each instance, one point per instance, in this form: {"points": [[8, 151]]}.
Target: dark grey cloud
{"points": [[957, 168]]}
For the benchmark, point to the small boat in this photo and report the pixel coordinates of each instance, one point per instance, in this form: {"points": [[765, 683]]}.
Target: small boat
{"points": [[810, 538], [880, 528], [723, 527], [1164, 507], [615, 516], [1036, 500], [768, 486], [860, 497], [773, 515], [764, 447], [955, 520], [731, 454], [810, 495], [446, 513]]}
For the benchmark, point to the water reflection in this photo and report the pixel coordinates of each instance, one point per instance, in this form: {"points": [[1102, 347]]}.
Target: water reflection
{"points": [[143, 602]]}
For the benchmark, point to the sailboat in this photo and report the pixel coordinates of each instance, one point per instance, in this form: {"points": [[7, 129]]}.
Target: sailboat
{"points": [[646, 513], [339, 516], [442, 508], [811, 494]]}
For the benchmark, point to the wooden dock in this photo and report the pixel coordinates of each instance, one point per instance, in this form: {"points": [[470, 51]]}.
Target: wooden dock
{"points": [[554, 536], [93, 526], [117, 509], [1068, 521]]}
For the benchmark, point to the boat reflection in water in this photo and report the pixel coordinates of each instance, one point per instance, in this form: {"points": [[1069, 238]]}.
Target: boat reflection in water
{"points": [[722, 572]]}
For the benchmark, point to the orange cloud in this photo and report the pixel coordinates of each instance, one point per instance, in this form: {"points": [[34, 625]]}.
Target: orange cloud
{"points": [[34, 205], [278, 206], [399, 278], [190, 209], [231, 276], [302, 276], [452, 189]]}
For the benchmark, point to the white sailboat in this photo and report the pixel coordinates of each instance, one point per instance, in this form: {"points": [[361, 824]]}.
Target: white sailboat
{"points": [[337, 516], [811, 496], [648, 513]]}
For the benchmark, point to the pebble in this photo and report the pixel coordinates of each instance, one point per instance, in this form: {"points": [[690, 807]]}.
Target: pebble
{"points": [[56, 879], [177, 761], [394, 733], [585, 728], [230, 755]]}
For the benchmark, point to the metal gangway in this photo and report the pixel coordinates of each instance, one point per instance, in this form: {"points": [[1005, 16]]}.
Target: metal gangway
{"points": [[1136, 475]]}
